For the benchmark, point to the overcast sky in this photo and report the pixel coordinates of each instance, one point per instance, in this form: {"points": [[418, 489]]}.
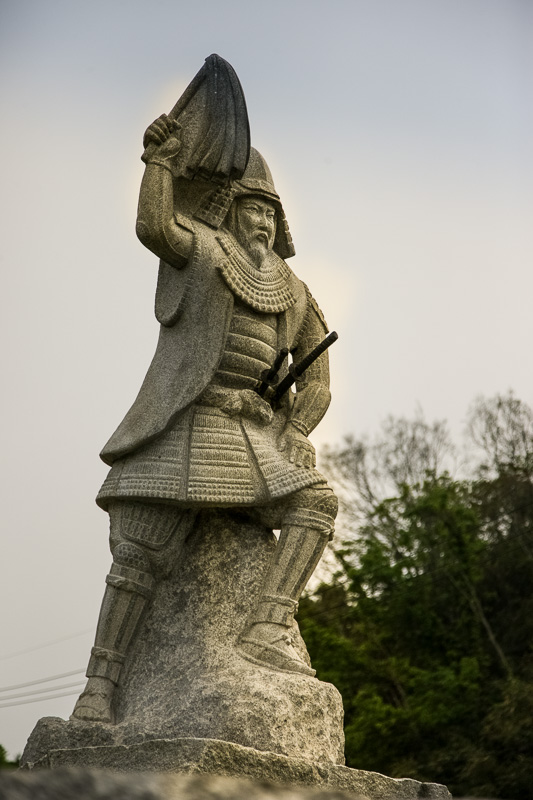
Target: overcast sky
{"points": [[399, 136]]}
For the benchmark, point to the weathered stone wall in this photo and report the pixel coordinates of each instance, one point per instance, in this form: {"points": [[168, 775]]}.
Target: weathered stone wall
{"points": [[89, 784]]}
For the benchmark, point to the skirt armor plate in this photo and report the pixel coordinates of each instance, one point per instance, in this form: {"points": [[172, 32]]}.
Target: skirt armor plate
{"points": [[209, 458]]}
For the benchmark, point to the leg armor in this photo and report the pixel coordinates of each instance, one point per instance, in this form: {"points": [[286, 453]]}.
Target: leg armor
{"points": [[306, 528], [139, 543], [129, 586]]}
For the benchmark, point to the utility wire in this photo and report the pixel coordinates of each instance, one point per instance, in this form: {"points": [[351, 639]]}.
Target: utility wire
{"points": [[46, 644], [44, 691], [41, 680], [37, 699]]}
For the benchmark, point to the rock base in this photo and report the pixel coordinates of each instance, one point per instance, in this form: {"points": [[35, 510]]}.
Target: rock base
{"points": [[188, 703], [211, 756], [183, 677]]}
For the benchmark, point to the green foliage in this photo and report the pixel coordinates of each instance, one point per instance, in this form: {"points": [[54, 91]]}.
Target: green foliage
{"points": [[427, 627], [5, 763], [502, 761]]}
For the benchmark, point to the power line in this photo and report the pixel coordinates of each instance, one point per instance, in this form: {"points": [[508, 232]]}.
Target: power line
{"points": [[37, 699], [41, 680], [44, 691], [46, 644]]}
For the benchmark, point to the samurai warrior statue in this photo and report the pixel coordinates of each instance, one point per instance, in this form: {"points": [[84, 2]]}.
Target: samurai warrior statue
{"points": [[200, 434]]}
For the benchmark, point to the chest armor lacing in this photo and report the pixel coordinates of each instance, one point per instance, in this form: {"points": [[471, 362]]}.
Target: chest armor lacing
{"points": [[250, 348]]}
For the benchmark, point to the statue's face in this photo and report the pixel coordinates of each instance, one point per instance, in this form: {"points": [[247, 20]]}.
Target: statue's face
{"points": [[255, 226]]}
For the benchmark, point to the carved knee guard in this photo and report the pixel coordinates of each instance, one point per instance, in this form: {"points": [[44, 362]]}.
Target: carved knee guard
{"points": [[156, 530], [315, 507]]}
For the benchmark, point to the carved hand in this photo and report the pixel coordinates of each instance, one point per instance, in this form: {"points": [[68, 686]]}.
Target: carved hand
{"points": [[300, 450], [237, 402], [161, 140]]}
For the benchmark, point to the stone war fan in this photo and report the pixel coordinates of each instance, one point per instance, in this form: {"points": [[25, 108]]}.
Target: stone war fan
{"points": [[198, 658], [215, 133]]}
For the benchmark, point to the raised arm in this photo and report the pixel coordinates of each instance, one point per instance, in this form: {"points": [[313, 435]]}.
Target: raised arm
{"points": [[156, 225]]}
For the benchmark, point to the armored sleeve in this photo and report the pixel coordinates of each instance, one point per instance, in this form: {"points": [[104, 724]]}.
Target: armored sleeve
{"points": [[158, 228], [312, 389]]}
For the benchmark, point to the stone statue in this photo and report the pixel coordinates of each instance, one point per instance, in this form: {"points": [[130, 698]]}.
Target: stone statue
{"points": [[199, 434], [198, 663]]}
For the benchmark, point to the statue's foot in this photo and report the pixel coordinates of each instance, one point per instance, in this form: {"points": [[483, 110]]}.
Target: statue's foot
{"points": [[94, 703], [271, 645]]}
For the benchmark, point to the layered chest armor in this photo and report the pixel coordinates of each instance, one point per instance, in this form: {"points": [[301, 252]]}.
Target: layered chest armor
{"points": [[250, 348]]}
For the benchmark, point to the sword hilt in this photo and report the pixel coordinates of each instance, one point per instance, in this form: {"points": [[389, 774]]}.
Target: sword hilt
{"points": [[296, 370]]}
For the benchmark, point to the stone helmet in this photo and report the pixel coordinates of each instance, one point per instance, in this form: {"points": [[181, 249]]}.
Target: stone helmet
{"points": [[256, 180]]}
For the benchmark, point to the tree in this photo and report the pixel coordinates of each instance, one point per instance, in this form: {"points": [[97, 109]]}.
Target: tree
{"points": [[500, 431], [367, 471], [426, 627]]}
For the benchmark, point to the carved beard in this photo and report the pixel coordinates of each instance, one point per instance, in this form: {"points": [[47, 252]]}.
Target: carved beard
{"points": [[257, 249], [254, 242]]}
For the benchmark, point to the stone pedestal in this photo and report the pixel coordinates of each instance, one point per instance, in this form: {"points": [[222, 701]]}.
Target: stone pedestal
{"points": [[189, 703], [212, 757], [183, 677]]}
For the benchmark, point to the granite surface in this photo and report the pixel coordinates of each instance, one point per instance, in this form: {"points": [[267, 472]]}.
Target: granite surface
{"points": [[183, 676], [66, 783], [209, 756]]}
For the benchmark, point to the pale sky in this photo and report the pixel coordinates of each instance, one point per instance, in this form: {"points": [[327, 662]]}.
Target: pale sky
{"points": [[399, 136]]}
